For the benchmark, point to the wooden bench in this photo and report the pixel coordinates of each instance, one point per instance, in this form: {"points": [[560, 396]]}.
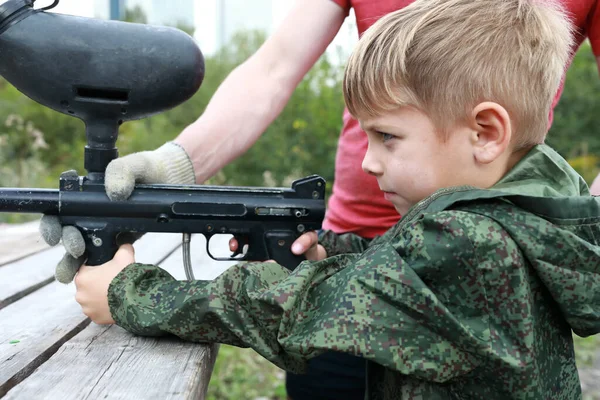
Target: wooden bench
{"points": [[50, 350]]}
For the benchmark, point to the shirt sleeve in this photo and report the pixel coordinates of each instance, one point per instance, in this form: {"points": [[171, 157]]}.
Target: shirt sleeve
{"points": [[593, 29], [345, 4], [335, 244], [379, 305]]}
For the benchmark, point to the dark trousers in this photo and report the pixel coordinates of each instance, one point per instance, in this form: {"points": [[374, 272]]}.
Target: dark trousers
{"points": [[330, 376]]}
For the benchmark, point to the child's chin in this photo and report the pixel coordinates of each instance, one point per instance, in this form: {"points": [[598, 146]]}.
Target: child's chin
{"points": [[401, 209]]}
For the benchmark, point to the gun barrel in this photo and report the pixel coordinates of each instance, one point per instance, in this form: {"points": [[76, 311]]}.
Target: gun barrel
{"points": [[43, 201]]}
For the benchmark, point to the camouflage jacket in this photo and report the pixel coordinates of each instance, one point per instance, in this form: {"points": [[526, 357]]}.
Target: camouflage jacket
{"points": [[474, 294]]}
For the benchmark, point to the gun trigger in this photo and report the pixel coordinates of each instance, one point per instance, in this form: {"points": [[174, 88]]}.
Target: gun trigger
{"points": [[241, 241]]}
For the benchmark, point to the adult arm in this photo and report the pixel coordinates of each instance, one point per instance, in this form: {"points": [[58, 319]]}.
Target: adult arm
{"points": [[254, 94]]}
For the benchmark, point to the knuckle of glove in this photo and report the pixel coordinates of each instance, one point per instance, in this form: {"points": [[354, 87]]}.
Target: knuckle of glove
{"points": [[118, 185], [67, 268], [120, 176], [50, 229], [73, 241]]}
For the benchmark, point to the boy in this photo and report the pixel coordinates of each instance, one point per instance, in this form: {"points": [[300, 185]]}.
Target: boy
{"points": [[475, 292]]}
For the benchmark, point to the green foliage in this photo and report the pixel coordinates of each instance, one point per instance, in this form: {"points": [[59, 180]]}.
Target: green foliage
{"points": [[587, 165], [586, 350], [575, 131], [244, 374], [20, 143], [64, 135], [586, 356], [136, 14], [301, 141], [152, 132]]}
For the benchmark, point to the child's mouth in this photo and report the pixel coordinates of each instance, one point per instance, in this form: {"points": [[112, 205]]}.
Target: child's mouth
{"points": [[388, 195]]}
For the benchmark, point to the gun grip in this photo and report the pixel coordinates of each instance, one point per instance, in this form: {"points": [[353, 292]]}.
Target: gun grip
{"points": [[279, 247], [100, 248]]}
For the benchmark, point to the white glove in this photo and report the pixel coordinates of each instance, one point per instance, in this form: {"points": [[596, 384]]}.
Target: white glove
{"points": [[169, 164], [52, 232]]}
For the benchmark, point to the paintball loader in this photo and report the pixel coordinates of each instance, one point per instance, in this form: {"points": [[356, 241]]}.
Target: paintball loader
{"points": [[107, 72]]}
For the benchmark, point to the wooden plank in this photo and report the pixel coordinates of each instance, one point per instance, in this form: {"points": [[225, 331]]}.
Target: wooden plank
{"points": [[28, 274], [19, 240], [45, 319], [108, 362], [41, 323], [69, 370]]}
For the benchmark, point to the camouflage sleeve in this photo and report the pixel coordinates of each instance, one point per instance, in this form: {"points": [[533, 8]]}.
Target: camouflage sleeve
{"points": [[379, 305], [345, 243]]}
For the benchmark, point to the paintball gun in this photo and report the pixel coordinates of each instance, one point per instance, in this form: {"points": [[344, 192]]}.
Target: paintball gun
{"points": [[108, 72]]}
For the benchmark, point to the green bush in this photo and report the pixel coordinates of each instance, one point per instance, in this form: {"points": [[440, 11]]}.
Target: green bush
{"points": [[244, 374], [575, 131]]}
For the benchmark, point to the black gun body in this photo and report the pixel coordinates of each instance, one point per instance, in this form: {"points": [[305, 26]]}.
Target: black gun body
{"points": [[268, 220], [40, 201]]}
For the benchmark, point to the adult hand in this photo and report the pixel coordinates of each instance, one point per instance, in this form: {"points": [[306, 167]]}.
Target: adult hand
{"points": [[53, 232], [169, 164]]}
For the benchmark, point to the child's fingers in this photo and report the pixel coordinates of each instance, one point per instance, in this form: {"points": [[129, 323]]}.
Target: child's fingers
{"points": [[127, 249], [305, 242], [233, 244], [316, 253], [125, 254]]}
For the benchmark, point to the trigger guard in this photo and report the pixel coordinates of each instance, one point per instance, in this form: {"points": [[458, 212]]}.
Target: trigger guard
{"points": [[235, 253], [208, 249]]}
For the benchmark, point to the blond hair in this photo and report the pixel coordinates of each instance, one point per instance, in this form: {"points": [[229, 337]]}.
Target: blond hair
{"points": [[446, 56]]}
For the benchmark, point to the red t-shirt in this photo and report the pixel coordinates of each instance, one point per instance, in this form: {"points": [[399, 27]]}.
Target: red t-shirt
{"points": [[357, 205]]}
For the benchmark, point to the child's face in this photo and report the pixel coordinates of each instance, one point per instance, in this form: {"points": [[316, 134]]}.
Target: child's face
{"points": [[409, 159]]}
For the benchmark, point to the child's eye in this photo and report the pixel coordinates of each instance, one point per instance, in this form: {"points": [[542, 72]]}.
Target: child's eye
{"points": [[385, 136]]}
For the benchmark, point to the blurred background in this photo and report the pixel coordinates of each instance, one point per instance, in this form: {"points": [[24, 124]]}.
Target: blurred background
{"points": [[37, 144]]}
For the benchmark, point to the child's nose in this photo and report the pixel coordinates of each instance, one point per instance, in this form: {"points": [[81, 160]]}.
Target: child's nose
{"points": [[371, 165]]}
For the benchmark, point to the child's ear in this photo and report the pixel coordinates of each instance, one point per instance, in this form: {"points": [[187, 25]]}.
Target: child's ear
{"points": [[492, 131]]}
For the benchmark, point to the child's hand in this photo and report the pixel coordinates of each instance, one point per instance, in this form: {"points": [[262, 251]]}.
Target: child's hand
{"points": [[307, 244], [92, 285]]}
